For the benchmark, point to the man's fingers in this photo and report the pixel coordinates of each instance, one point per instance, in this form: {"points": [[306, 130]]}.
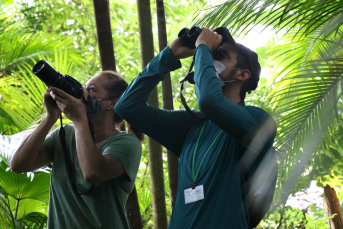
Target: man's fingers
{"points": [[56, 97], [61, 93]]}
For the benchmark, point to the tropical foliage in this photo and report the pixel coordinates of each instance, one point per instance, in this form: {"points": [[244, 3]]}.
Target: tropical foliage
{"points": [[304, 93], [23, 198]]}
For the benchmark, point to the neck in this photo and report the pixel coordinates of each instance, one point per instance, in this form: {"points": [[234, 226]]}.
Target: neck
{"points": [[104, 126], [232, 92]]}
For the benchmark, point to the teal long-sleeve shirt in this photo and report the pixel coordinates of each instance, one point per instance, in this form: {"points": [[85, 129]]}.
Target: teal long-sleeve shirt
{"points": [[248, 128]]}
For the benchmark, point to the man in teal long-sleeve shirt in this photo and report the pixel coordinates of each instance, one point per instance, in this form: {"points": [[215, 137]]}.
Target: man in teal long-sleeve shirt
{"points": [[210, 191]]}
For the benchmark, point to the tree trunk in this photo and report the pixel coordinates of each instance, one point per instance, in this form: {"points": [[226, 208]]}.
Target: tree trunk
{"points": [[332, 206], [107, 59], [155, 149], [133, 216], [103, 27], [167, 96]]}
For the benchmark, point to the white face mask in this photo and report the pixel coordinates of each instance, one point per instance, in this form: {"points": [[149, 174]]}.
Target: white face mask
{"points": [[220, 67]]}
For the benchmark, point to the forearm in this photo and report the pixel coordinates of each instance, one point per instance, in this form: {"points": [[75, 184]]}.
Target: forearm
{"points": [[136, 95], [165, 127], [91, 161], [236, 120], [26, 155], [207, 85]]}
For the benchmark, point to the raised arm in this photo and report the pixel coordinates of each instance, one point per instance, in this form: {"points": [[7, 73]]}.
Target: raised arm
{"points": [[238, 121], [166, 127], [30, 155]]}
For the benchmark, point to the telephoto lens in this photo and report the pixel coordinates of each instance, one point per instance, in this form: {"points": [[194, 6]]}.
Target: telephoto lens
{"points": [[52, 78], [46, 73]]}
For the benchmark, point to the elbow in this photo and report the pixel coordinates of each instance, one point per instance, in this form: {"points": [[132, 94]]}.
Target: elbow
{"points": [[126, 111], [15, 168], [205, 104], [119, 109], [91, 178]]}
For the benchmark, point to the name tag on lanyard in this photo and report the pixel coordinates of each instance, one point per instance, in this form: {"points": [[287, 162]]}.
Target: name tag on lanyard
{"points": [[193, 195]]}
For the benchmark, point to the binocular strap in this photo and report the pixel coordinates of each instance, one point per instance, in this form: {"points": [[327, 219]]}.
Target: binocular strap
{"points": [[190, 78]]}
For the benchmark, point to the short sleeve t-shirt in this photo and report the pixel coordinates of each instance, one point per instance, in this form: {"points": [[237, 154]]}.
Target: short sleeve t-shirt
{"points": [[104, 206]]}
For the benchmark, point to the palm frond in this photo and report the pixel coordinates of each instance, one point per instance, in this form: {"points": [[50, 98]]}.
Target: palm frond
{"points": [[240, 16], [29, 190], [307, 113], [22, 92], [20, 49], [34, 220]]}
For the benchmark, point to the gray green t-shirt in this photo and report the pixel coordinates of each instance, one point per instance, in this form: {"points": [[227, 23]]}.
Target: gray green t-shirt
{"points": [[104, 206]]}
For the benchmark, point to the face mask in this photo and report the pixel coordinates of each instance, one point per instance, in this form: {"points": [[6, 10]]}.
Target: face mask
{"points": [[220, 67], [93, 105]]}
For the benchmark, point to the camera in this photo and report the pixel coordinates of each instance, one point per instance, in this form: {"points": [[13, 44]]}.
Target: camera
{"points": [[52, 78]]}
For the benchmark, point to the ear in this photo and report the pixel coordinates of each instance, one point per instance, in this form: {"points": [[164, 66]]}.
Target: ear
{"points": [[243, 75], [112, 104]]}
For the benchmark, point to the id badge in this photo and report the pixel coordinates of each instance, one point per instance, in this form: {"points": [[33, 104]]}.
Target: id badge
{"points": [[193, 195]]}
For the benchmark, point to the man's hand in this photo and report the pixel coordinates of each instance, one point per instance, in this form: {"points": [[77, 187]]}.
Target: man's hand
{"points": [[209, 38], [180, 51], [52, 110], [73, 108]]}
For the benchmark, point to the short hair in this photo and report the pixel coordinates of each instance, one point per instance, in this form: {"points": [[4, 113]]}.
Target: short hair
{"points": [[115, 88], [221, 53]]}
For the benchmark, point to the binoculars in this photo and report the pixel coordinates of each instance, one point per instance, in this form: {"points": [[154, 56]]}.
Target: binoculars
{"points": [[189, 36]]}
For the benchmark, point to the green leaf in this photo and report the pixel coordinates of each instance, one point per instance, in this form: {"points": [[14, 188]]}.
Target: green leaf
{"points": [[336, 154]]}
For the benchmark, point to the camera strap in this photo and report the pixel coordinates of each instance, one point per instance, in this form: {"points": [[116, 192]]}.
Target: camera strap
{"points": [[190, 78], [66, 155]]}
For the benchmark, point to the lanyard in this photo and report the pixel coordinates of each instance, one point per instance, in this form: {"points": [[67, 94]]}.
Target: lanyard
{"points": [[195, 176]]}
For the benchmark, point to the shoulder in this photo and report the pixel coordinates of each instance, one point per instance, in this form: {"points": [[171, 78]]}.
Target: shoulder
{"points": [[69, 127], [260, 114], [263, 123], [125, 140], [122, 135], [256, 110]]}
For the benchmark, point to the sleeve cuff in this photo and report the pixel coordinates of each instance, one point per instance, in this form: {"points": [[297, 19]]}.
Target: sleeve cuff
{"points": [[168, 60], [203, 48]]}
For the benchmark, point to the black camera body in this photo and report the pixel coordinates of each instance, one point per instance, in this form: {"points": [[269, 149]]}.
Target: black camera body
{"points": [[52, 78]]}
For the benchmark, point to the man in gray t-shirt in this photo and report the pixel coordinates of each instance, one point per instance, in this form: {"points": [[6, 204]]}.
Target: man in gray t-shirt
{"points": [[104, 206], [109, 161]]}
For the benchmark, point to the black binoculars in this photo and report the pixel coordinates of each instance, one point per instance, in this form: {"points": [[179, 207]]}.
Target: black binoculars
{"points": [[189, 36]]}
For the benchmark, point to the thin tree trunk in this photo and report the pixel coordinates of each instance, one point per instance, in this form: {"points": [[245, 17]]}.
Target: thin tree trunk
{"points": [[155, 149], [107, 59], [133, 216], [332, 206], [103, 27], [167, 96]]}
